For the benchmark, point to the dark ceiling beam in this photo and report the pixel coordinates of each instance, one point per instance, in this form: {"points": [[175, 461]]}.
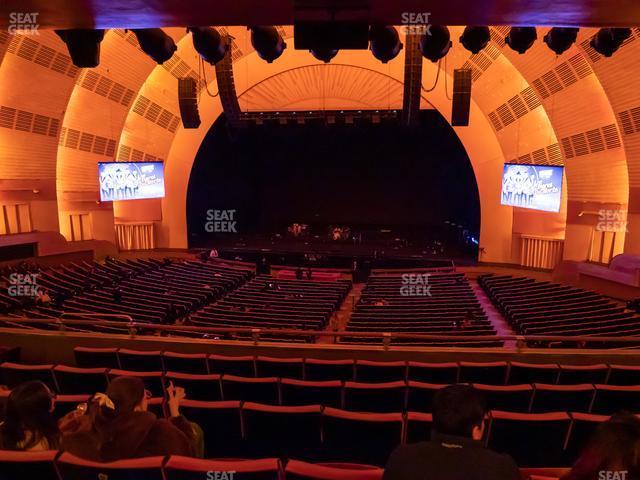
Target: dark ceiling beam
{"points": [[63, 14]]}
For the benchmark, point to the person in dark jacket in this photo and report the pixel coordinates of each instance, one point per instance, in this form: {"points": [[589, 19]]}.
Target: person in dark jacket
{"points": [[455, 451], [118, 426], [613, 452]]}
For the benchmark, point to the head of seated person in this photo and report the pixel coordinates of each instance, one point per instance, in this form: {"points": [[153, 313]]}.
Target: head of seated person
{"points": [[29, 423], [613, 452], [459, 411]]}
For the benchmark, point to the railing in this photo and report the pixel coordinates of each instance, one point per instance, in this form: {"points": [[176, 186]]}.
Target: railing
{"points": [[258, 334]]}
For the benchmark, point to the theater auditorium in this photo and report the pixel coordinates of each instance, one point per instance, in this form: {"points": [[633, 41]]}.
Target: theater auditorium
{"points": [[319, 239]]}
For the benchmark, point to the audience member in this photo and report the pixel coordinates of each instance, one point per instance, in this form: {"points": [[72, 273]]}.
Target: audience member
{"points": [[613, 449], [455, 451], [118, 426], [29, 424]]}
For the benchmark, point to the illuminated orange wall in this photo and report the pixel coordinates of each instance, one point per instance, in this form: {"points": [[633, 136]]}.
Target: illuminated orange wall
{"points": [[580, 121]]}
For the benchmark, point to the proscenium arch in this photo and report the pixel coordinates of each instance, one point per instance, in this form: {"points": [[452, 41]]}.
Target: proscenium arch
{"points": [[19, 73], [480, 143]]}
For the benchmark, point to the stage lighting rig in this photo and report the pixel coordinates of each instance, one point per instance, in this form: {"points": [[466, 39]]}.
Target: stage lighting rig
{"points": [[608, 40], [521, 39], [209, 44], [155, 43], [475, 39], [436, 43], [324, 54], [560, 39], [267, 42], [385, 42], [83, 46]]}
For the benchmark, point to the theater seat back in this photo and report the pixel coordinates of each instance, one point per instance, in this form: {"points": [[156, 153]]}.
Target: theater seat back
{"points": [[74, 468], [27, 465]]}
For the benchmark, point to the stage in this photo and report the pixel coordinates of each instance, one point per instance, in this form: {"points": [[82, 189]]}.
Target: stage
{"points": [[327, 253]]}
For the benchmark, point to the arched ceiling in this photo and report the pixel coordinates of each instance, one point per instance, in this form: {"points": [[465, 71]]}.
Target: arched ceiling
{"points": [[57, 122]]}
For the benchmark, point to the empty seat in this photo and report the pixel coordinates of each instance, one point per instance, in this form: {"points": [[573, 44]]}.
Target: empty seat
{"points": [[612, 399], [78, 381], [297, 470], [420, 396], [13, 374], [275, 431], [228, 365], [488, 373], [197, 387], [367, 438], [187, 468], [306, 392], [140, 360], [88, 357], [441, 373], [222, 426], [562, 398], [279, 367], [74, 468], [576, 374], [512, 398], [195, 363], [27, 465], [583, 425], [532, 439], [316, 369], [624, 375], [386, 397], [520, 373], [258, 390], [369, 372], [419, 427], [152, 380]]}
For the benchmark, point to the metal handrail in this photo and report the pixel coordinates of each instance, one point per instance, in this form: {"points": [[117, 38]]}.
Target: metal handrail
{"points": [[256, 333]]}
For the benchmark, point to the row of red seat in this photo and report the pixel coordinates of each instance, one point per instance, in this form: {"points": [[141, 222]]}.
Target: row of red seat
{"points": [[436, 304], [53, 465], [492, 373], [356, 396], [545, 308], [268, 302], [146, 287]]}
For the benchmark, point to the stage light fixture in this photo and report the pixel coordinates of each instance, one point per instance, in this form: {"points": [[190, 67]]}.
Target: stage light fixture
{"points": [[209, 44], [267, 42], [435, 43], [521, 39], [560, 39], [155, 43], [83, 46], [385, 42], [324, 54], [475, 39], [608, 40]]}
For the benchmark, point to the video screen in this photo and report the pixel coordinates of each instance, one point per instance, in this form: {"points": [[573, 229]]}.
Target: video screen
{"points": [[131, 180], [538, 187]]}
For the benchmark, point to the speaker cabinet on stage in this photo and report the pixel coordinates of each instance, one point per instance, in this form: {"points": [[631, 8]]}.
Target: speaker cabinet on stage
{"points": [[461, 97], [188, 101]]}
